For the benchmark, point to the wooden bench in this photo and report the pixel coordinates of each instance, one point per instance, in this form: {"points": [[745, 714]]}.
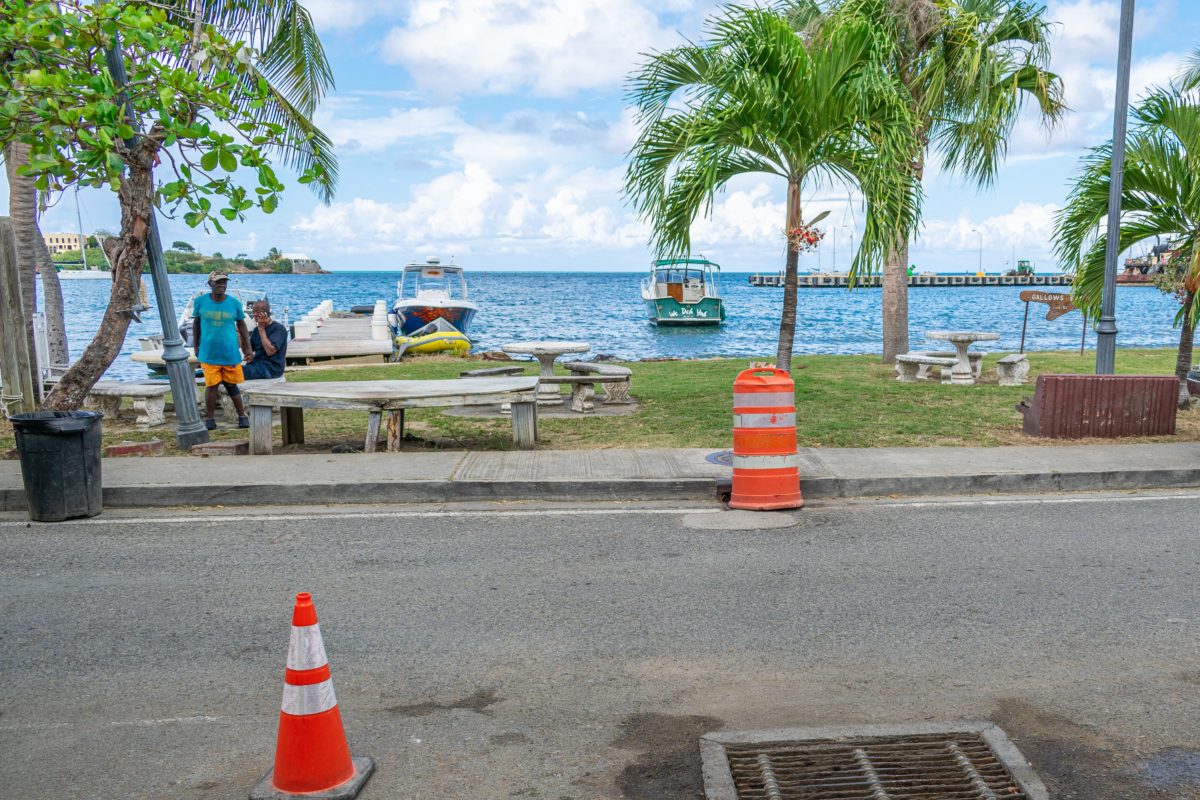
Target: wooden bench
{"points": [[1108, 406], [391, 397], [149, 400], [908, 365], [491, 372], [228, 412], [583, 390], [1013, 370], [615, 392]]}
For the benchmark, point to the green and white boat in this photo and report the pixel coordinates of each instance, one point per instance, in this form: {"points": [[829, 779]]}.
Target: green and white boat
{"points": [[684, 291]]}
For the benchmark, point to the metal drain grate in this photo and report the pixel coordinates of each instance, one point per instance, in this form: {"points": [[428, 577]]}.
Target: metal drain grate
{"points": [[964, 761]]}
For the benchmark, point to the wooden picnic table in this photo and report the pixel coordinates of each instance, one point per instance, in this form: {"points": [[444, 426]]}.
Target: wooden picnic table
{"points": [[392, 397]]}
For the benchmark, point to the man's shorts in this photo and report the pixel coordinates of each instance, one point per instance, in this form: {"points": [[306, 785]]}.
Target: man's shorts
{"points": [[218, 373]]}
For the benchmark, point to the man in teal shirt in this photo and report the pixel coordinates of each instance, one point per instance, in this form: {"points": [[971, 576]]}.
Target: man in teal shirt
{"points": [[218, 329]]}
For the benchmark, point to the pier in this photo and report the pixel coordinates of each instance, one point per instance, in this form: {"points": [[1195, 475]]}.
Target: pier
{"points": [[840, 280]]}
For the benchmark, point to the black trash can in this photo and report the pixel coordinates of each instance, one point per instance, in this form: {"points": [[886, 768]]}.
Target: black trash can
{"points": [[60, 463]]}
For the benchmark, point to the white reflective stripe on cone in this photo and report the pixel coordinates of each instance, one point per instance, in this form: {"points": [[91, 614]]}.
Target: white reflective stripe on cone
{"points": [[763, 400], [305, 648], [312, 699], [779, 420], [767, 462]]}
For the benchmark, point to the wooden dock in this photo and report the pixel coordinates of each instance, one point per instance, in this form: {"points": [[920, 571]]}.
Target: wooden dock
{"points": [[840, 280]]}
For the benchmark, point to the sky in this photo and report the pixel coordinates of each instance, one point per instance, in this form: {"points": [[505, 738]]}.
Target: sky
{"points": [[494, 133]]}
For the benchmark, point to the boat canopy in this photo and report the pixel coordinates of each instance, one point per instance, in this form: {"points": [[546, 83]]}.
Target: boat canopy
{"points": [[683, 270], [432, 279]]}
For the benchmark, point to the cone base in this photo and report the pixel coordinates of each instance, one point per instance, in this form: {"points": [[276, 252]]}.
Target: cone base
{"points": [[766, 503], [363, 767]]}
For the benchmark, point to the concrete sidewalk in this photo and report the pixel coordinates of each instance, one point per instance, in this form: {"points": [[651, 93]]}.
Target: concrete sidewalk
{"points": [[444, 476]]}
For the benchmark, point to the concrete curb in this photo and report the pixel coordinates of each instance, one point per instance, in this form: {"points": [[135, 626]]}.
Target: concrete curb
{"points": [[632, 489]]}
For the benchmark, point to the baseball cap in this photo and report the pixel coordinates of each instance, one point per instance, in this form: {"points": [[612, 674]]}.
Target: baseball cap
{"points": [[217, 275]]}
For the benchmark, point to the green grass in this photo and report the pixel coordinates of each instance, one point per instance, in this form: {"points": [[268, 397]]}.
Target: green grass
{"points": [[841, 401]]}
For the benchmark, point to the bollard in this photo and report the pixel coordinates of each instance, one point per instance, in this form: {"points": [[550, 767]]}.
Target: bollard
{"points": [[766, 464]]}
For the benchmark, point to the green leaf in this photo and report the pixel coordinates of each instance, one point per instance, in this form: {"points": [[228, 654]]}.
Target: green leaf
{"points": [[208, 161], [228, 162]]}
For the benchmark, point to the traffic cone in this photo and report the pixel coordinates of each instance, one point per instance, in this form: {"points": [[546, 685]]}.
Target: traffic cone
{"points": [[312, 758]]}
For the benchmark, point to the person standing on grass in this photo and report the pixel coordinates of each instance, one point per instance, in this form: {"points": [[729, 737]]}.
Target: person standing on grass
{"points": [[269, 342], [218, 329]]}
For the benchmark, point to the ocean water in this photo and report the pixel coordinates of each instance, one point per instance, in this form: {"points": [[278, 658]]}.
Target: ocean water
{"points": [[606, 310]]}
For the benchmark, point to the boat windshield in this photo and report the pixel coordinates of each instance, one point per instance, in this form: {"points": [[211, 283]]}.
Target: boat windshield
{"points": [[432, 281], [699, 274]]}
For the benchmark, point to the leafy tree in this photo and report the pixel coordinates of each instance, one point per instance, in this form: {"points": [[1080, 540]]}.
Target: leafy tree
{"points": [[273, 254], [92, 241], [757, 97], [1160, 197], [194, 100], [967, 67], [182, 247]]}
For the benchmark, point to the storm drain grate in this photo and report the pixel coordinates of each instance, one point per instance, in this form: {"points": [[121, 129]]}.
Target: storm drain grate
{"points": [[964, 761]]}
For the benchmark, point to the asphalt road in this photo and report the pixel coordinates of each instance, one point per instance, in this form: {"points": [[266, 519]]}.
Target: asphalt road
{"points": [[580, 654]]}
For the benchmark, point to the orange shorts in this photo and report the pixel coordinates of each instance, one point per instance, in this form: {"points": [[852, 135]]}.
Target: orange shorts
{"points": [[217, 373]]}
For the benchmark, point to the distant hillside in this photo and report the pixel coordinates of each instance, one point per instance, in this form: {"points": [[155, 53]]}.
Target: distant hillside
{"points": [[182, 257]]}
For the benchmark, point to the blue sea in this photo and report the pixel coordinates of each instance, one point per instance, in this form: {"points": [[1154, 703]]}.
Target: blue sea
{"points": [[605, 309]]}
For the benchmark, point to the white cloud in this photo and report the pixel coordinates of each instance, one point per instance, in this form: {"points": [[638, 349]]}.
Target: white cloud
{"points": [[1027, 230], [369, 134], [345, 15], [501, 46]]}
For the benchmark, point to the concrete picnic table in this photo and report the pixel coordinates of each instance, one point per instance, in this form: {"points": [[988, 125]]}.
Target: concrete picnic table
{"points": [[961, 372], [545, 352], [394, 397]]}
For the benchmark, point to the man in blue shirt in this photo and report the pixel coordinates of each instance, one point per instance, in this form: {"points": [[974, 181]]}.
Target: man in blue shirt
{"points": [[218, 328], [269, 342]]}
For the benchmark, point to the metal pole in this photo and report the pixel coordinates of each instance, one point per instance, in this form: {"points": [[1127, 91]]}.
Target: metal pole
{"points": [[189, 430], [1106, 330], [1024, 325]]}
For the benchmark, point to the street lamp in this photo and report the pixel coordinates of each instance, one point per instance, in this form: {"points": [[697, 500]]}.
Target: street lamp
{"points": [[1106, 329], [851, 230], [980, 249]]}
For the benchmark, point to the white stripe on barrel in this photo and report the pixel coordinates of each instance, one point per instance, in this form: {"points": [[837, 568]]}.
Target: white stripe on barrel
{"points": [[767, 462], [763, 400], [314, 698], [780, 420], [305, 648]]}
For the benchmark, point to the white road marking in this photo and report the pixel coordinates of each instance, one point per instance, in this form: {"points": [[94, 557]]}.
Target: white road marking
{"points": [[216, 519], [121, 723], [1027, 501]]}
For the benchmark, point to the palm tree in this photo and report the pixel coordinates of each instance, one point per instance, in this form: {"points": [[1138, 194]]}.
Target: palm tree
{"points": [[1160, 197], [967, 67], [292, 62], [813, 108]]}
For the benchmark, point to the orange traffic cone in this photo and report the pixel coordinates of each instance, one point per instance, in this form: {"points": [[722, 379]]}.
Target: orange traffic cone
{"points": [[311, 756]]}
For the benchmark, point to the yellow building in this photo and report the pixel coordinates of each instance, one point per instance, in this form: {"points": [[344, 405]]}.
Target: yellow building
{"points": [[62, 242]]}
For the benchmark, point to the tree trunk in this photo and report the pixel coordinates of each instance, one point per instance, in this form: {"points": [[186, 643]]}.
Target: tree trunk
{"points": [[787, 320], [895, 290], [52, 299], [128, 256], [1183, 360], [22, 207]]}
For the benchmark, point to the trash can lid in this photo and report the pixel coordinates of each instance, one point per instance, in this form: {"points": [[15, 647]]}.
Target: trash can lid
{"points": [[53, 422]]}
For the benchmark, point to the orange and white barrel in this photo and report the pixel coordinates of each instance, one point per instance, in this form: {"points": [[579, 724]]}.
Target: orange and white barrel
{"points": [[311, 754], [766, 463]]}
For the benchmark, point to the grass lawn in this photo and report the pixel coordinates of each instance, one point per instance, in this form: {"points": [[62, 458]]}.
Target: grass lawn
{"points": [[841, 401]]}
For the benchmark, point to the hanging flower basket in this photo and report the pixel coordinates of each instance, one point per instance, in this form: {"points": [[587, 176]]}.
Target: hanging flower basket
{"points": [[804, 238]]}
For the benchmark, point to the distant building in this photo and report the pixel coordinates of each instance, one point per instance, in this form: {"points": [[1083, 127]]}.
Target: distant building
{"points": [[301, 262], [62, 242]]}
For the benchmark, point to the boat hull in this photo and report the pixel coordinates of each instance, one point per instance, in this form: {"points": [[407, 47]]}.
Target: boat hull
{"points": [[414, 316], [667, 311], [437, 342]]}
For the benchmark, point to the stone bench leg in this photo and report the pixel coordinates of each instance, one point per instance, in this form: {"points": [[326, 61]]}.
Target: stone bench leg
{"points": [[524, 421], [150, 411], [110, 407], [1013, 374], [582, 396], [617, 393], [260, 430], [906, 372]]}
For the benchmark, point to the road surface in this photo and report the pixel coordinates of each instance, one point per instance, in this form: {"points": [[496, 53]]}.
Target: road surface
{"points": [[579, 653]]}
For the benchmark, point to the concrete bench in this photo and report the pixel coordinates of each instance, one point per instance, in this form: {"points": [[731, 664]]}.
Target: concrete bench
{"points": [[491, 372], [583, 390], [975, 357], [1013, 370], [390, 397], [908, 365], [149, 400], [615, 392]]}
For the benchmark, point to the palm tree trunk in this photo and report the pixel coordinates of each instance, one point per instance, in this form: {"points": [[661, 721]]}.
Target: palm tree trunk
{"points": [[22, 207], [895, 301], [128, 255], [1183, 359], [787, 320], [52, 299]]}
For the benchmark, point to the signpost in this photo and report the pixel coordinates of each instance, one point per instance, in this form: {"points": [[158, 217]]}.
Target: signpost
{"points": [[1058, 303]]}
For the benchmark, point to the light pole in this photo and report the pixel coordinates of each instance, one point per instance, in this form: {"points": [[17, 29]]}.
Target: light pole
{"points": [[851, 231], [973, 230], [1106, 329]]}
